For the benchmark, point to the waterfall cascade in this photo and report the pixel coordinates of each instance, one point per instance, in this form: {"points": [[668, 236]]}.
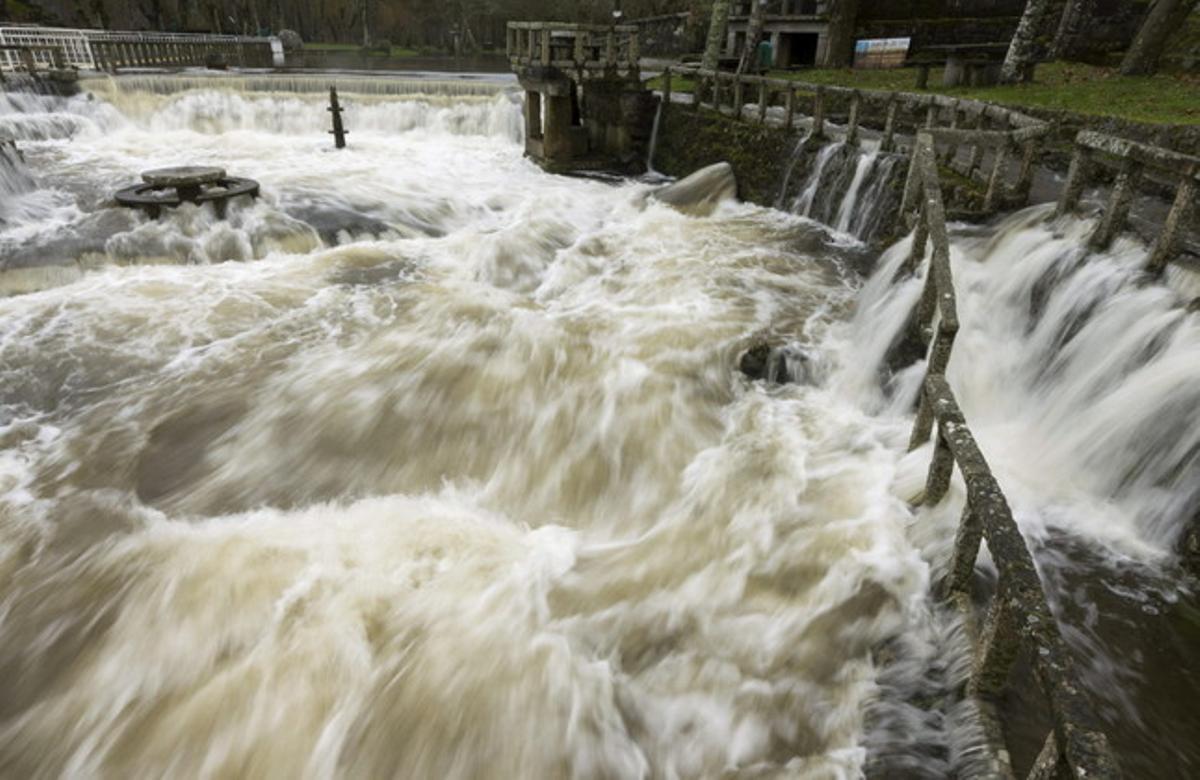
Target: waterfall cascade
{"points": [[15, 177], [856, 191], [1081, 383], [1071, 362]]}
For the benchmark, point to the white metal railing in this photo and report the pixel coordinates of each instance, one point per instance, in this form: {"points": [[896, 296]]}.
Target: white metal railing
{"points": [[76, 47], [73, 44]]}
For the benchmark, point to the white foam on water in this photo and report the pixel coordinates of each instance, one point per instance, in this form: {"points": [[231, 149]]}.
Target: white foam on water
{"points": [[427, 459]]}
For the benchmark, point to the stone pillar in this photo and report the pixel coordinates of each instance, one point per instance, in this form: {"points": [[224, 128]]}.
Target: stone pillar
{"points": [[1119, 203], [1185, 204], [955, 72], [818, 114], [533, 114], [852, 122], [556, 143], [1077, 180]]}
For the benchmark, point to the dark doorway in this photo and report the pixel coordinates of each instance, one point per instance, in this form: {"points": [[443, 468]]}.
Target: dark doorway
{"points": [[796, 50]]}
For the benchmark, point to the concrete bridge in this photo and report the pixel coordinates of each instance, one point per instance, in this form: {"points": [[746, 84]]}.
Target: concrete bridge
{"points": [[585, 104]]}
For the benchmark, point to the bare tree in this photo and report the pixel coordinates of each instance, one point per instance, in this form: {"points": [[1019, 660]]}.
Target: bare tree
{"points": [[753, 33], [1022, 52], [1071, 27], [843, 18], [1164, 18], [716, 34]]}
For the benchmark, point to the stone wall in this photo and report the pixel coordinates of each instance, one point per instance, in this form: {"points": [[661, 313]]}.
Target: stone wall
{"points": [[764, 156], [689, 140]]}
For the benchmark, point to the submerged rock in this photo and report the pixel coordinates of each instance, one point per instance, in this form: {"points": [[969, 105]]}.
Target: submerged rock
{"points": [[1194, 305], [789, 364], [701, 193]]}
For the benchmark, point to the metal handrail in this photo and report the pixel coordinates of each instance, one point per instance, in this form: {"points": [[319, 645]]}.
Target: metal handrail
{"points": [[79, 47]]}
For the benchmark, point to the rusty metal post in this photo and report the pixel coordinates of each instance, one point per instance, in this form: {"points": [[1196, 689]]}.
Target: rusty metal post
{"points": [[338, 131]]}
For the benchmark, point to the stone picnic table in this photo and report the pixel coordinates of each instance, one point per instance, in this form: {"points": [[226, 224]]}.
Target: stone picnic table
{"points": [[967, 64]]}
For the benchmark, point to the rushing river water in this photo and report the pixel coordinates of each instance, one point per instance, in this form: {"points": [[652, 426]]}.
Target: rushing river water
{"points": [[428, 464]]}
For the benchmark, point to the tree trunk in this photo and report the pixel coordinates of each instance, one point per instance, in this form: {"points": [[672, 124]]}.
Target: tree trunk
{"points": [[1022, 52], [716, 34], [753, 33], [1165, 17], [843, 17], [1077, 14]]}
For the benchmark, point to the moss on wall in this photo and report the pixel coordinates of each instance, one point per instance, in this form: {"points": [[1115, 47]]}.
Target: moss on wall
{"points": [[690, 140]]}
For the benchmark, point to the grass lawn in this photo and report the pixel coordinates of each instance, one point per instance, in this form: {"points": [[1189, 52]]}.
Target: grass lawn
{"points": [[1086, 89]]}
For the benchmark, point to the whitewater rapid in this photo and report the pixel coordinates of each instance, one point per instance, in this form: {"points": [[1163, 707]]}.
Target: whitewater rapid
{"points": [[429, 464], [424, 464]]}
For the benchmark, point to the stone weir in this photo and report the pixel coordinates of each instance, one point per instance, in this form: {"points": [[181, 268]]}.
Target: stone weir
{"points": [[840, 156], [586, 107]]}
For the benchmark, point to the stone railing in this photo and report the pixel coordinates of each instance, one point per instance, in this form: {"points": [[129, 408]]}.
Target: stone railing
{"points": [[578, 48], [1019, 617], [975, 126], [1131, 160], [108, 50], [986, 132], [938, 302]]}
